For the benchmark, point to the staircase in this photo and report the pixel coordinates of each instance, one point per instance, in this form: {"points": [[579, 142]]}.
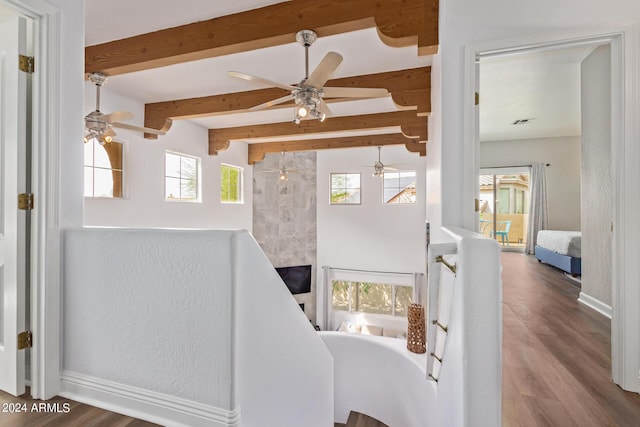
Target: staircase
{"points": [[356, 419]]}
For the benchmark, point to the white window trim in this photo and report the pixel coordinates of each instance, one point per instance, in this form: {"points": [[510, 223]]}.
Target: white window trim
{"points": [[198, 198], [241, 169]]}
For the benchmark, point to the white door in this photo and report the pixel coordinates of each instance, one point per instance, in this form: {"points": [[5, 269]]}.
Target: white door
{"points": [[13, 94]]}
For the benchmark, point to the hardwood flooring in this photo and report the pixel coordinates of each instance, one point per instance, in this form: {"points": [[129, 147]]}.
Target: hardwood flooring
{"points": [[60, 412], [556, 362], [556, 353]]}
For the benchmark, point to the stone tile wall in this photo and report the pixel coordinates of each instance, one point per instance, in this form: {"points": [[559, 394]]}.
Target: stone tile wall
{"points": [[284, 215]]}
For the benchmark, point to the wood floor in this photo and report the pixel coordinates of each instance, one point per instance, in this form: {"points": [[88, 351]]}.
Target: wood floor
{"points": [[556, 353], [60, 412], [556, 362]]}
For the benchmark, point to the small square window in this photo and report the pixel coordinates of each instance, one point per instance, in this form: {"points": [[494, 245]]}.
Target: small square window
{"points": [[181, 177], [231, 178], [399, 187], [102, 169], [345, 189]]}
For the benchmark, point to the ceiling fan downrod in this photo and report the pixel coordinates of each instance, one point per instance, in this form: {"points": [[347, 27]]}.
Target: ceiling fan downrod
{"points": [[306, 39]]}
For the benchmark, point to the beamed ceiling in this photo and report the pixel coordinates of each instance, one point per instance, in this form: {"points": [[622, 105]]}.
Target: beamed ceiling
{"points": [[261, 42]]}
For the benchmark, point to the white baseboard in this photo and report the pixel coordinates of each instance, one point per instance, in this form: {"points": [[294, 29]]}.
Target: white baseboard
{"points": [[595, 304], [145, 404]]}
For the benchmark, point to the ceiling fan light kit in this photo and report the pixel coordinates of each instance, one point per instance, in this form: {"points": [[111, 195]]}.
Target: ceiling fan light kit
{"points": [[100, 126], [309, 93]]}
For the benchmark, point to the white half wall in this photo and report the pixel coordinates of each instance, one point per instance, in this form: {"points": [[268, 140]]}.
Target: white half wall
{"points": [[151, 309], [563, 175], [143, 204], [372, 235]]}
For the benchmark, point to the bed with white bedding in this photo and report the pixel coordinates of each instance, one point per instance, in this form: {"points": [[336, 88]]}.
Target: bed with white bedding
{"points": [[560, 249]]}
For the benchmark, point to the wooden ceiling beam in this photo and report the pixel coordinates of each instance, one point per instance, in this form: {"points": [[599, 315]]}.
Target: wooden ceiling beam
{"points": [[409, 88], [412, 127], [399, 22], [258, 151]]}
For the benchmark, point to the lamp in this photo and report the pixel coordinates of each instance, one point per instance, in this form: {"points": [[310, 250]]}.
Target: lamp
{"points": [[284, 176]]}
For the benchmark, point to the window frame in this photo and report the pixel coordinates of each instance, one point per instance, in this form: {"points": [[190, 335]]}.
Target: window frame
{"points": [[331, 188], [198, 176], [399, 188], [241, 188], [94, 142], [353, 307]]}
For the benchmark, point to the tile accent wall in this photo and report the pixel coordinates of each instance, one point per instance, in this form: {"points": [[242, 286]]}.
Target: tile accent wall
{"points": [[284, 215]]}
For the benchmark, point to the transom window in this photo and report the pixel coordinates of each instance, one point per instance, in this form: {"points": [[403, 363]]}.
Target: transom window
{"points": [[345, 189], [231, 180], [376, 298], [181, 182], [399, 187], [102, 169]]}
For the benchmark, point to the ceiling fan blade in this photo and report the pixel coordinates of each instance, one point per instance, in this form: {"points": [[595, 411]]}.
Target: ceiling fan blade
{"points": [[324, 108], [109, 132], [272, 103], [116, 117], [260, 80], [389, 168], [162, 131], [324, 70], [354, 92]]}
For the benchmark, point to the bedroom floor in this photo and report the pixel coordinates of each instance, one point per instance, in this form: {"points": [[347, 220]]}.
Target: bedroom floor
{"points": [[556, 353]]}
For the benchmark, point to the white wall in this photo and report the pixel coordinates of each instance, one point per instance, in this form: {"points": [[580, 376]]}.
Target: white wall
{"points": [[188, 327], [150, 309], [563, 176], [502, 23], [597, 213], [143, 204], [370, 236]]}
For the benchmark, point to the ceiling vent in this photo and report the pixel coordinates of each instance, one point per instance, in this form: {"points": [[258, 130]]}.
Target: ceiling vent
{"points": [[522, 121]]}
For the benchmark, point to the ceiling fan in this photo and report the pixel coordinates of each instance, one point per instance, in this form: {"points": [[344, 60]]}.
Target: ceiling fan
{"points": [[309, 94], [283, 170], [100, 126], [379, 168]]}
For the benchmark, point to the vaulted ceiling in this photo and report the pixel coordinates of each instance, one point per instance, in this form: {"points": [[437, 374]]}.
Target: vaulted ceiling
{"points": [[174, 58]]}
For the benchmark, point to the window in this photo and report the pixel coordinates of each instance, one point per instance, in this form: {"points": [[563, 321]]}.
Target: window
{"points": [[399, 187], [231, 184], [345, 188], [181, 177], [503, 200], [102, 169], [376, 298]]}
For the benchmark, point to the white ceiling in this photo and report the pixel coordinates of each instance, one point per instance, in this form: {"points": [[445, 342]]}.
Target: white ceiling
{"points": [[543, 86], [363, 53]]}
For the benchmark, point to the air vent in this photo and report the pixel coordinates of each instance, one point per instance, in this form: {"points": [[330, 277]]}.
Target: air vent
{"points": [[522, 121]]}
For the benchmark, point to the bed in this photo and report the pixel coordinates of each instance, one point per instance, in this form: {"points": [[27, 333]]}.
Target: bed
{"points": [[560, 249]]}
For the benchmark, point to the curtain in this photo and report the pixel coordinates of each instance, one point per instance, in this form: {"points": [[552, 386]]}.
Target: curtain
{"points": [[538, 215]]}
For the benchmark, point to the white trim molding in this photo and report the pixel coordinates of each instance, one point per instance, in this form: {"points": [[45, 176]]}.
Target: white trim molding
{"points": [[595, 304], [145, 404]]}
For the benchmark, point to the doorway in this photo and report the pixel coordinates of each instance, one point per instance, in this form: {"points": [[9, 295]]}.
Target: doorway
{"points": [[624, 344]]}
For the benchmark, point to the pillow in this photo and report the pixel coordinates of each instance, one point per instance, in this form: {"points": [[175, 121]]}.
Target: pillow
{"points": [[349, 327], [394, 333], [371, 330]]}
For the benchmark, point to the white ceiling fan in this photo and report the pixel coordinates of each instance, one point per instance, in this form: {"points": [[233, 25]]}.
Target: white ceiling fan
{"points": [[283, 170], [379, 168], [309, 94], [100, 126]]}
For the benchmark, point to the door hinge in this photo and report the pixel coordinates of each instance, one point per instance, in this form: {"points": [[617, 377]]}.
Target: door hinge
{"points": [[612, 226], [477, 205], [26, 64], [25, 201], [25, 340], [477, 99]]}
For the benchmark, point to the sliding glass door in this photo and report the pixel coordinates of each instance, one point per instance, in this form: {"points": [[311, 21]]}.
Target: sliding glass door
{"points": [[504, 206]]}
